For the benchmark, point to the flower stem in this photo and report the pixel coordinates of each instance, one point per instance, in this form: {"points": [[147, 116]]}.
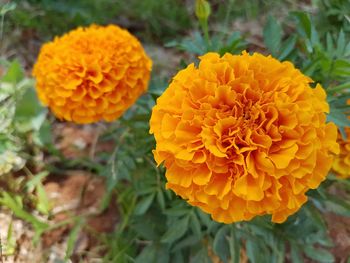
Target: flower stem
{"points": [[204, 26]]}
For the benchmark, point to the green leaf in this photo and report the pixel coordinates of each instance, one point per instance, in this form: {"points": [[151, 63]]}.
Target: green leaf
{"points": [[73, 237], [44, 136], [163, 255], [287, 47], [37, 179], [144, 204], [195, 225], [234, 245], [340, 119], [330, 45], [14, 73], [337, 205], [43, 205], [15, 205], [28, 106], [177, 211], [341, 68], [295, 254], [347, 50], [272, 35], [316, 217], [201, 257], [206, 220], [176, 230], [189, 241], [7, 7], [340, 87], [160, 199], [257, 252], [321, 255], [341, 42], [11, 243], [305, 26], [148, 254], [220, 244]]}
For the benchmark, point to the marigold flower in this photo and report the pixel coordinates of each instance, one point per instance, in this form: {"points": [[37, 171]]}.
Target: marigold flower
{"points": [[243, 135], [341, 164], [92, 74]]}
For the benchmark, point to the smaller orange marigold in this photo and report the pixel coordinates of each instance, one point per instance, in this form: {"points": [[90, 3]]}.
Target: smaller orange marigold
{"points": [[242, 136], [341, 164], [92, 74]]}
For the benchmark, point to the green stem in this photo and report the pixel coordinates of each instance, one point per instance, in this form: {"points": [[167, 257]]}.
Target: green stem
{"points": [[204, 26]]}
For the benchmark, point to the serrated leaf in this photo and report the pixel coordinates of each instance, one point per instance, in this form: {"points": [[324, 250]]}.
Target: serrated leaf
{"points": [[28, 106], [341, 68], [295, 254], [185, 242], [257, 252], [272, 35], [160, 199], [338, 205], [206, 220], [316, 217], [347, 50], [176, 230], [148, 254], [195, 225], [321, 255], [305, 26], [201, 257], [330, 45], [341, 44], [14, 73], [253, 251], [220, 244], [287, 47], [177, 211], [143, 205], [234, 246]]}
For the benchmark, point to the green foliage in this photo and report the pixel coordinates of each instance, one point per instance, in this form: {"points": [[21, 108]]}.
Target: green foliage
{"points": [[153, 19], [273, 35], [188, 233], [334, 14]]}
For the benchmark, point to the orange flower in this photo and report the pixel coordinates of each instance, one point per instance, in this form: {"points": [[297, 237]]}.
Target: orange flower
{"points": [[92, 74], [341, 164], [243, 136]]}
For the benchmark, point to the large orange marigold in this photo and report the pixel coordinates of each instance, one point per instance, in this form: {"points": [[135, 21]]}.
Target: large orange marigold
{"points": [[92, 74], [243, 135], [341, 164]]}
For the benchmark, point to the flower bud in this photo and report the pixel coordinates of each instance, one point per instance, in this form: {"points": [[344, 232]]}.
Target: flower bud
{"points": [[202, 9]]}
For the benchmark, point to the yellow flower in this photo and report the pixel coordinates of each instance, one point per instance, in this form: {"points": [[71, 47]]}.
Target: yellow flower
{"points": [[341, 164], [243, 135], [92, 74]]}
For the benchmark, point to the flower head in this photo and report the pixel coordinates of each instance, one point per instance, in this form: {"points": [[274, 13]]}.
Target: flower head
{"points": [[92, 74], [243, 135], [341, 164]]}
